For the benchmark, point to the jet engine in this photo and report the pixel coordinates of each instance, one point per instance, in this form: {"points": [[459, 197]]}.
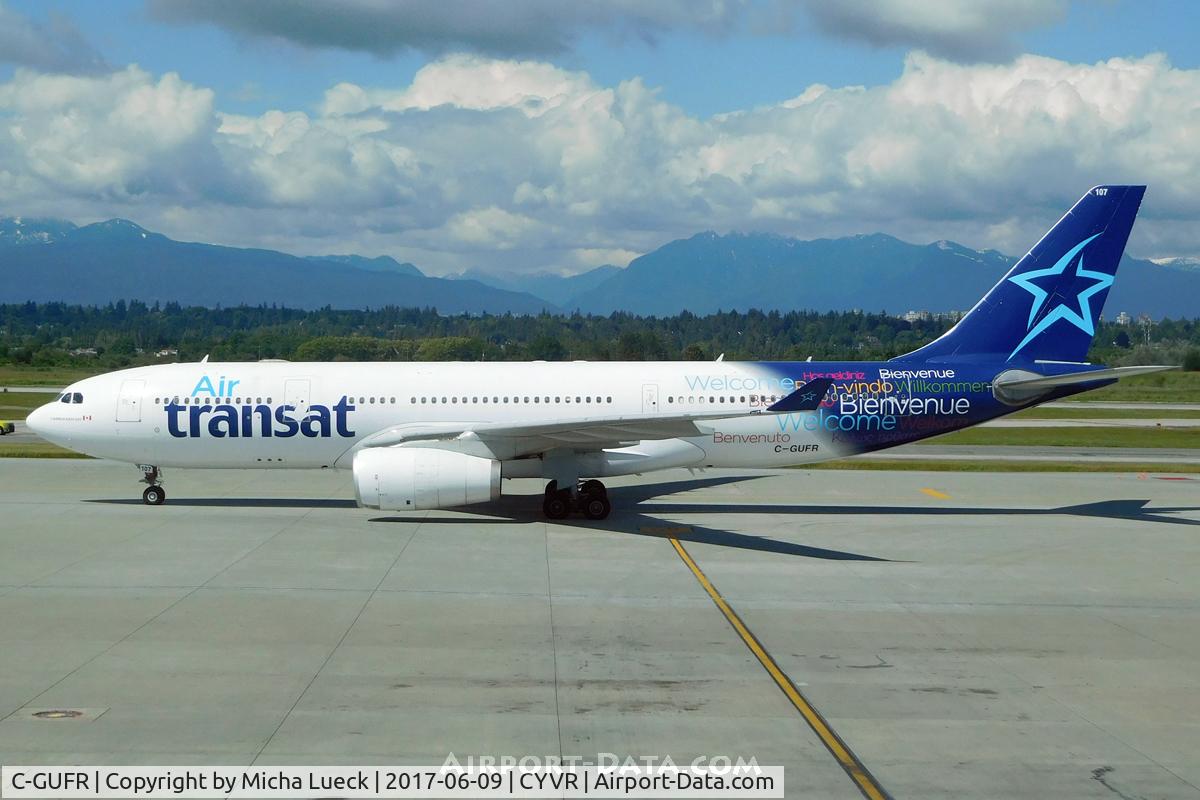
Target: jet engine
{"points": [[416, 478]]}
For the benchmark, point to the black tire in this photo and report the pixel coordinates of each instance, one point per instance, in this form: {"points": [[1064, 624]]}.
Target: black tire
{"points": [[593, 486], [596, 506], [154, 496], [556, 505]]}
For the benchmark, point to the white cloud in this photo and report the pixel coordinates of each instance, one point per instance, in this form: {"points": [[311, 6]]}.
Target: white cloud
{"points": [[522, 165], [469, 82], [119, 134], [963, 30]]}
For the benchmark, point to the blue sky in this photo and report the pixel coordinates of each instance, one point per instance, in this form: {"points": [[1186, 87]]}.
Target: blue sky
{"points": [[979, 121], [703, 74]]}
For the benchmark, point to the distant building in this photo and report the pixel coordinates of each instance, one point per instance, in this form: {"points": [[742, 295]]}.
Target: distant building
{"points": [[917, 316], [1123, 318], [166, 352], [83, 351]]}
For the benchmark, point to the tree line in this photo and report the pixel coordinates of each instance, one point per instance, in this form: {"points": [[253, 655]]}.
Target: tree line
{"points": [[126, 333]]}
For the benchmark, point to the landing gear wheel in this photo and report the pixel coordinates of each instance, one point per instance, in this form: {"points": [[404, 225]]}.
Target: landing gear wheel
{"points": [[596, 506], [593, 486], [154, 496], [556, 505]]}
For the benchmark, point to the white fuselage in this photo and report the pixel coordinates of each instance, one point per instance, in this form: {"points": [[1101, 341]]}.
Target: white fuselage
{"points": [[312, 415]]}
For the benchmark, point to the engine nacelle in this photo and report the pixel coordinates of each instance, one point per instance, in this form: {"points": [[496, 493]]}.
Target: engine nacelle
{"points": [[416, 478]]}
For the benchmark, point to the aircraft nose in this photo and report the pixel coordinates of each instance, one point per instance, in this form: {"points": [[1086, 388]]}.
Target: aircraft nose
{"points": [[36, 421]]}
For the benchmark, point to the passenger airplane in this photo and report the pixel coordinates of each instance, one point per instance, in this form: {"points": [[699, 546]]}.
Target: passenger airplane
{"points": [[424, 436]]}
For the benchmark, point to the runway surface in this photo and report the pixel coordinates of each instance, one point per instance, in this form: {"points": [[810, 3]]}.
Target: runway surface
{"points": [[966, 635]]}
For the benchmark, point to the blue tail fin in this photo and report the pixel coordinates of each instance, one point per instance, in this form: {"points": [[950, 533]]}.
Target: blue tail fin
{"points": [[1046, 307]]}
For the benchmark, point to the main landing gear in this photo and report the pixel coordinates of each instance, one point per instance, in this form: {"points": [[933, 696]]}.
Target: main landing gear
{"points": [[590, 499], [154, 495]]}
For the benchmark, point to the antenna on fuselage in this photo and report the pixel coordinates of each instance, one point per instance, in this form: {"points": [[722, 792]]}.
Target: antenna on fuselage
{"points": [[205, 359], [721, 357]]}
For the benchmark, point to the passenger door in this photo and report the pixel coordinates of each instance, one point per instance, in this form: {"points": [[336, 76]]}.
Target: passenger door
{"points": [[129, 402], [650, 398]]}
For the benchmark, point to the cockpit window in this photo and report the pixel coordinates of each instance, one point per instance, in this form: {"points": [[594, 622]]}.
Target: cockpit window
{"points": [[76, 398], [65, 397]]}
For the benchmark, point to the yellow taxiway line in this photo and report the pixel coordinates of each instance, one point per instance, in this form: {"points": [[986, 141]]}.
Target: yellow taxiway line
{"points": [[858, 773]]}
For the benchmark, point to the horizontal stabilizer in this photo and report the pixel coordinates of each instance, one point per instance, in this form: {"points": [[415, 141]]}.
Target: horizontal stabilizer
{"points": [[806, 398], [1028, 381]]}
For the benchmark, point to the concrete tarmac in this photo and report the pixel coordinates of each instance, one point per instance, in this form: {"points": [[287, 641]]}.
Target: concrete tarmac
{"points": [[967, 635]]}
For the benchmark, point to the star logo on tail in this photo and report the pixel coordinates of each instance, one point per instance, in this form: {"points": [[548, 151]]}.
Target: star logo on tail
{"points": [[1079, 313]]}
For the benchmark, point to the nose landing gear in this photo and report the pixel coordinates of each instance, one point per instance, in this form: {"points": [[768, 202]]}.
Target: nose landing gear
{"points": [[590, 499], [154, 495]]}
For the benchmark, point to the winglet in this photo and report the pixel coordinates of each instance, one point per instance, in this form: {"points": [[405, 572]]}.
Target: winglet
{"points": [[806, 398]]}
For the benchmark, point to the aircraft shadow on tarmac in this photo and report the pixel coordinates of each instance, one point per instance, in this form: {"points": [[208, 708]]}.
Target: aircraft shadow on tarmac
{"points": [[628, 518], [631, 517]]}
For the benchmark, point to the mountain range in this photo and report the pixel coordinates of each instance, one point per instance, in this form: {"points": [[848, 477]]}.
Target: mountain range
{"points": [[47, 259]]}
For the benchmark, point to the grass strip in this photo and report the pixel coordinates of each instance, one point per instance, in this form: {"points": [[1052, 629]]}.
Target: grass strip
{"points": [[1074, 437], [36, 450]]}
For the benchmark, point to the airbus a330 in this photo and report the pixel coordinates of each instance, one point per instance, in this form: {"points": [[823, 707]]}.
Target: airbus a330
{"points": [[439, 435]]}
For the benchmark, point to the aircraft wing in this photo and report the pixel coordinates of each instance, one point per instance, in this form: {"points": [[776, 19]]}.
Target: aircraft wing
{"points": [[507, 440]]}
